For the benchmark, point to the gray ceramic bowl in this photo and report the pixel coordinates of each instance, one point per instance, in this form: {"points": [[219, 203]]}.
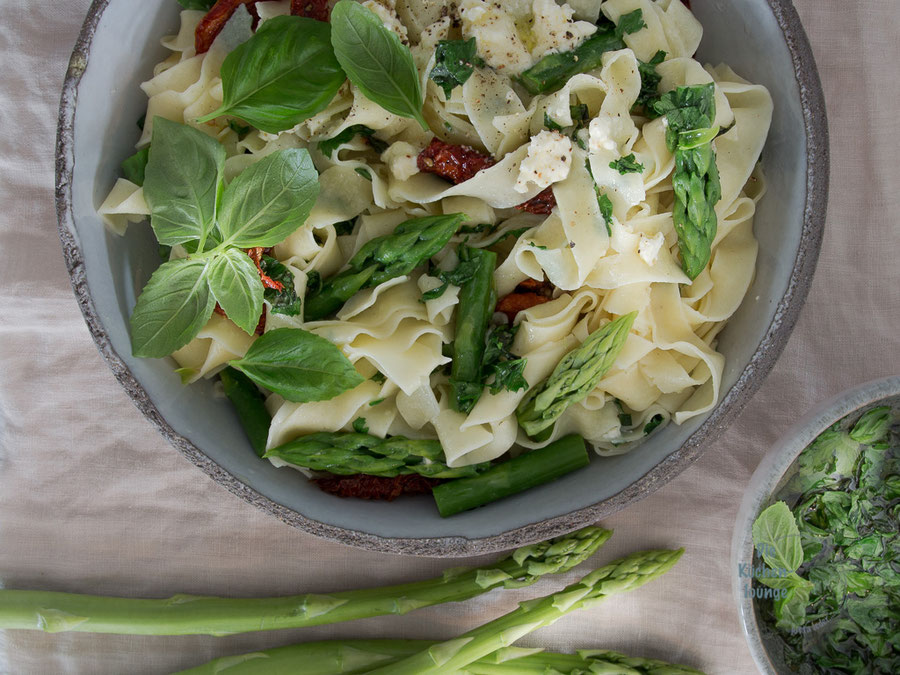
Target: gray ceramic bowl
{"points": [[116, 51], [776, 468]]}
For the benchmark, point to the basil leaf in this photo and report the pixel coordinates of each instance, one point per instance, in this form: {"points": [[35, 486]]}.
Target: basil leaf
{"points": [[630, 23], [268, 200], [281, 76], [299, 366], [182, 182], [235, 284], [873, 426], [202, 5], [173, 307], [454, 62], [134, 167], [376, 61], [360, 426], [777, 538], [329, 145], [284, 301], [626, 165], [650, 80]]}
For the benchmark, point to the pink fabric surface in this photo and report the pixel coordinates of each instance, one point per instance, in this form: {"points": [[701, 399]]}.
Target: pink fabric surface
{"points": [[93, 500]]}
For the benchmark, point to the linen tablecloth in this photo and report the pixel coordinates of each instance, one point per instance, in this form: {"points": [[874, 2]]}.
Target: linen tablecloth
{"points": [[92, 499]]}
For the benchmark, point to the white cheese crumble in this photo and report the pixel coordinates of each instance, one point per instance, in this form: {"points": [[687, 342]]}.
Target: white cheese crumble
{"points": [[494, 30], [609, 132], [400, 158], [548, 161], [554, 30], [650, 247], [388, 15]]}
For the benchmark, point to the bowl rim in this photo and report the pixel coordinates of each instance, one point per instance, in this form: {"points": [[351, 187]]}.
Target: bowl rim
{"points": [[731, 404], [765, 479]]}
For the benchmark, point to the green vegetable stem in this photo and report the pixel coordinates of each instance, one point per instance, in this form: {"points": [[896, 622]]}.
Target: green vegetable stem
{"points": [[521, 473], [620, 576], [476, 305], [574, 377], [353, 453], [381, 259], [195, 615]]}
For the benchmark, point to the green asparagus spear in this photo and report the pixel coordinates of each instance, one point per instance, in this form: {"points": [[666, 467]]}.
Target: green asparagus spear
{"points": [[620, 576], [352, 453], [574, 377], [524, 472], [476, 305], [191, 615], [554, 70], [383, 258], [250, 405], [343, 657], [690, 112]]}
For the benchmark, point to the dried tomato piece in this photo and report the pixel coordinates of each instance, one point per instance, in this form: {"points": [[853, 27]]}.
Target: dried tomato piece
{"points": [[214, 21], [456, 163], [516, 302], [362, 486], [542, 203], [256, 255], [260, 327], [312, 9]]}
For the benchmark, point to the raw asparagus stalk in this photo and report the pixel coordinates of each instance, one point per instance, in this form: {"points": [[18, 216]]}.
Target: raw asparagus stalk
{"points": [[532, 468], [476, 305], [620, 576], [250, 405], [191, 615], [383, 258], [353, 453], [334, 657], [574, 377]]}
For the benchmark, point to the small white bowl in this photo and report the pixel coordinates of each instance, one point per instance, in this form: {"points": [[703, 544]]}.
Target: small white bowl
{"points": [[776, 468]]}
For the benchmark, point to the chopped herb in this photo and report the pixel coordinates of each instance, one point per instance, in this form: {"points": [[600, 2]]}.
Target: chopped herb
{"points": [[240, 129], [630, 23], [284, 301], [376, 402], [537, 246], [313, 282], [654, 422], [378, 377], [501, 369], [360, 426], [365, 173], [454, 62], [650, 80], [462, 273], [344, 227], [626, 165], [329, 145], [624, 417], [603, 201], [551, 124]]}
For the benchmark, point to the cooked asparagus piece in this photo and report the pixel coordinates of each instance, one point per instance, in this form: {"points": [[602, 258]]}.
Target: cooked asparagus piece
{"points": [[55, 612], [334, 657], [524, 472], [250, 405], [383, 258], [476, 305], [351, 453], [574, 377], [620, 576]]}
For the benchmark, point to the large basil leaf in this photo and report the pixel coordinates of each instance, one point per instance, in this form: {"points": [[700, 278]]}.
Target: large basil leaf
{"points": [[284, 74], [173, 307], [777, 538], [376, 61], [298, 365], [182, 182], [269, 200], [236, 286]]}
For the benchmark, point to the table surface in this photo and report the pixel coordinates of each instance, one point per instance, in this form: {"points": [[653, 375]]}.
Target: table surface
{"points": [[93, 500]]}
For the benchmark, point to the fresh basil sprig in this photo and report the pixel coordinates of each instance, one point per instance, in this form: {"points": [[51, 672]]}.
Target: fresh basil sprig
{"points": [[298, 365], [281, 76], [376, 61], [190, 205]]}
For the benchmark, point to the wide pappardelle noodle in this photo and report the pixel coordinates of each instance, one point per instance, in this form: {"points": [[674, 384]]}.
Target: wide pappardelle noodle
{"points": [[582, 166]]}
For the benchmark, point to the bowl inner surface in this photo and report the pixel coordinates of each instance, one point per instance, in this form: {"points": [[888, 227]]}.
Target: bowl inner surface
{"points": [[121, 53]]}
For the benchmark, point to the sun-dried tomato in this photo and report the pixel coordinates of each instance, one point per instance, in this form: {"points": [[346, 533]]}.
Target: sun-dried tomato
{"points": [[456, 163], [260, 326], [516, 302], [312, 9], [256, 255], [214, 21], [362, 486], [542, 203]]}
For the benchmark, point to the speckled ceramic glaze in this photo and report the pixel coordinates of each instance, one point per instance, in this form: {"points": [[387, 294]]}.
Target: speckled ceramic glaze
{"points": [[116, 51], [777, 467]]}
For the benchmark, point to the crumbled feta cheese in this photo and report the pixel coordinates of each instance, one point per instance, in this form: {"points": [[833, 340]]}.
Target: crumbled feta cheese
{"points": [[650, 247], [548, 161], [400, 158], [554, 30], [601, 134], [496, 37], [385, 11]]}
